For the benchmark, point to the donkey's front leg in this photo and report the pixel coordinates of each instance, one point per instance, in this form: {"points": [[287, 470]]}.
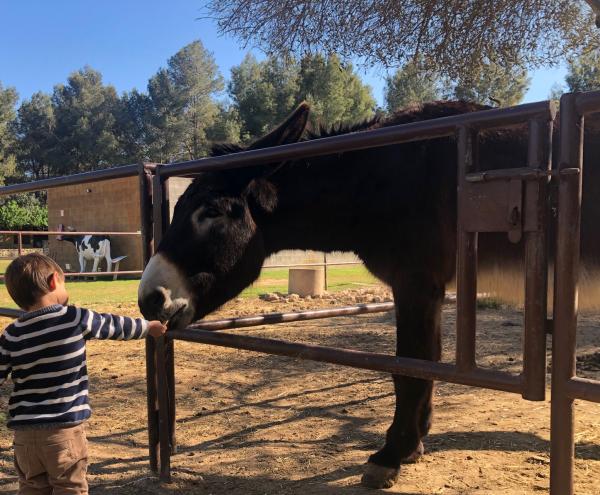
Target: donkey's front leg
{"points": [[418, 299]]}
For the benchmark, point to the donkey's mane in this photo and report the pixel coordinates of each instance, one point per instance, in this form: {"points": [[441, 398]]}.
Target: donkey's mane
{"points": [[412, 113]]}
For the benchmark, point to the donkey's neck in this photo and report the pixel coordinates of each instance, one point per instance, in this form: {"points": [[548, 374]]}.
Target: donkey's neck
{"points": [[320, 206]]}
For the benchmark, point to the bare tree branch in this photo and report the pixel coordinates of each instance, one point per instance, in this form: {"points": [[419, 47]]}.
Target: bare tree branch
{"points": [[451, 37]]}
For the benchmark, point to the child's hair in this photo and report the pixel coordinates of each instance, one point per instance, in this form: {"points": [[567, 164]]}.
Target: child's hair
{"points": [[27, 278]]}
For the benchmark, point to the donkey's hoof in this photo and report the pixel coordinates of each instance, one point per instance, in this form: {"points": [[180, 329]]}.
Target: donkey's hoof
{"points": [[380, 477], [415, 456]]}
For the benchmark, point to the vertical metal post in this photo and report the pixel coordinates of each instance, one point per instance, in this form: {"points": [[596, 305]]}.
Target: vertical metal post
{"points": [[466, 263], [169, 343], [536, 266], [145, 187], [160, 376], [325, 269], [20, 244], [562, 450]]}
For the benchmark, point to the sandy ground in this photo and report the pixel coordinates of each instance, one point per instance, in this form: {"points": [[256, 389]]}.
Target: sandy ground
{"points": [[250, 424]]}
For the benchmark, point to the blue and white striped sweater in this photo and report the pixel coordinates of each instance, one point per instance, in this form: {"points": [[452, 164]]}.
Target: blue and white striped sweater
{"points": [[44, 352]]}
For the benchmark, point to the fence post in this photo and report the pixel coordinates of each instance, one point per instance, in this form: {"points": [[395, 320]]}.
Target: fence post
{"points": [[566, 267], [466, 263], [145, 187], [20, 244], [536, 265], [164, 355]]}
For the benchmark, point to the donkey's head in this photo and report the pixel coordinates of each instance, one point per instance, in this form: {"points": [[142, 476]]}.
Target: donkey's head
{"points": [[214, 247]]}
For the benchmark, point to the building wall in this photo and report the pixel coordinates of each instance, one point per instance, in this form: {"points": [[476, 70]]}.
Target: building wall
{"points": [[110, 205], [177, 186]]}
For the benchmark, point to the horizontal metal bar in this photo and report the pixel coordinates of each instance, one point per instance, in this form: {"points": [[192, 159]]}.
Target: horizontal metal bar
{"points": [[416, 368], [11, 313], [66, 233], [524, 173], [300, 265], [92, 176], [583, 388], [588, 102], [276, 318], [426, 129]]}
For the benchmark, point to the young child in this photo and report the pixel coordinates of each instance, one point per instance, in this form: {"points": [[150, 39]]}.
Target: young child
{"points": [[44, 352]]}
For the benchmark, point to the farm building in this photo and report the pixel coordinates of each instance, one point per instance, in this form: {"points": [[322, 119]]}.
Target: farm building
{"points": [[111, 205]]}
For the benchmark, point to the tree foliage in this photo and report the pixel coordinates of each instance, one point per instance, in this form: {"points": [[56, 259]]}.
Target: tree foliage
{"points": [[452, 38], [84, 110], [36, 139], [409, 85], [265, 92], [584, 72], [183, 104], [8, 99], [23, 211], [491, 84], [334, 90]]}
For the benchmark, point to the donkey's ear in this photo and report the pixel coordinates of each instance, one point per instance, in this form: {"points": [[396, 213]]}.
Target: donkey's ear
{"points": [[289, 131], [261, 195]]}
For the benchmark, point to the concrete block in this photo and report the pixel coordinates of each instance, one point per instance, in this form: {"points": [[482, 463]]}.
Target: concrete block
{"points": [[306, 281]]}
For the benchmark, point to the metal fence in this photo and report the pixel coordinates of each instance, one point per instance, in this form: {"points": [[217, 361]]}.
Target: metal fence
{"points": [[484, 200]]}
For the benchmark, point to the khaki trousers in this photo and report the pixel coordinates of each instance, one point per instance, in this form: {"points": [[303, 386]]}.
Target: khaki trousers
{"points": [[51, 461]]}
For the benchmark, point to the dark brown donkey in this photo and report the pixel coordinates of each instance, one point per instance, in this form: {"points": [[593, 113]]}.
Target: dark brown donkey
{"points": [[394, 206]]}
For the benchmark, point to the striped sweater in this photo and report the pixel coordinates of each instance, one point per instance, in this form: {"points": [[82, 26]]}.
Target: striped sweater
{"points": [[44, 352]]}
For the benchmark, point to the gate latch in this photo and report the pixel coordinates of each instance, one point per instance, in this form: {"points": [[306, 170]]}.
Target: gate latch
{"points": [[515, 210]]}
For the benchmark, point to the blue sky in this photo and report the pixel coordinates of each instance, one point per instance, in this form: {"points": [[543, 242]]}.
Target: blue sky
{"points": [[42, 42]]}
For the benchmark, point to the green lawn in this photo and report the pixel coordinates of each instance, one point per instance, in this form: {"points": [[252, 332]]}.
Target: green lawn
{"points": [[271, 280]]}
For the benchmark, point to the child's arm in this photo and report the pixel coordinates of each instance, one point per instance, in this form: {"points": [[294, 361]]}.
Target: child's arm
{"points": [[107, 326], [4, 360]]}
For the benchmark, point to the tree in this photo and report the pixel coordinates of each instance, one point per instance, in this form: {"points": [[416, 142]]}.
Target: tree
{"points": [[227, 127], [334, 90], [409, 85], [263, 92], [132, 126], [450, 37], [183, 105], [36, 141], [8, 99], [490, 84], [584, 72], [84, 110], [23, 211]]}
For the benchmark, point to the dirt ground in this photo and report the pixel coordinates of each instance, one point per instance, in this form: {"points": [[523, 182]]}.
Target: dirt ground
{"points": [[255, 424]]}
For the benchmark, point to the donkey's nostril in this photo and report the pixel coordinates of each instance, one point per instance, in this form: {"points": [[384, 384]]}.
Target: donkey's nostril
{"points": [[152, 304]]}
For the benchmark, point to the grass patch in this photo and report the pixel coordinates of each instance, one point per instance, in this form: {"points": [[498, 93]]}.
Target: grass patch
{"points": [[3, 265], [109, 292]]}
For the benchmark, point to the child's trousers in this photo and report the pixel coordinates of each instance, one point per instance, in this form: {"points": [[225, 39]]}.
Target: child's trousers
{"points": [[51, 461]]}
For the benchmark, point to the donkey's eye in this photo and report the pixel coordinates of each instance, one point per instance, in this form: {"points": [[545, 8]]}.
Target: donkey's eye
{"points": [[211, 212]]}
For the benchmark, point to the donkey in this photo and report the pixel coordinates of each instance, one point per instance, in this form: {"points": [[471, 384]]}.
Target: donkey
{"points": [[394, 206]]}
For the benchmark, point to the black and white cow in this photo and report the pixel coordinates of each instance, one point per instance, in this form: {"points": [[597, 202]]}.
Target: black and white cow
{"points": [[90, 248]]}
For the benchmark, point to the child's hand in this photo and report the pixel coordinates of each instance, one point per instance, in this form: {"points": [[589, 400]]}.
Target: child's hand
{"points": [[156, 328]]}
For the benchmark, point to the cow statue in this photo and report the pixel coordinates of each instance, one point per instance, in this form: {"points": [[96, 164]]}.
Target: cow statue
{"points": [[89, 248]]}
